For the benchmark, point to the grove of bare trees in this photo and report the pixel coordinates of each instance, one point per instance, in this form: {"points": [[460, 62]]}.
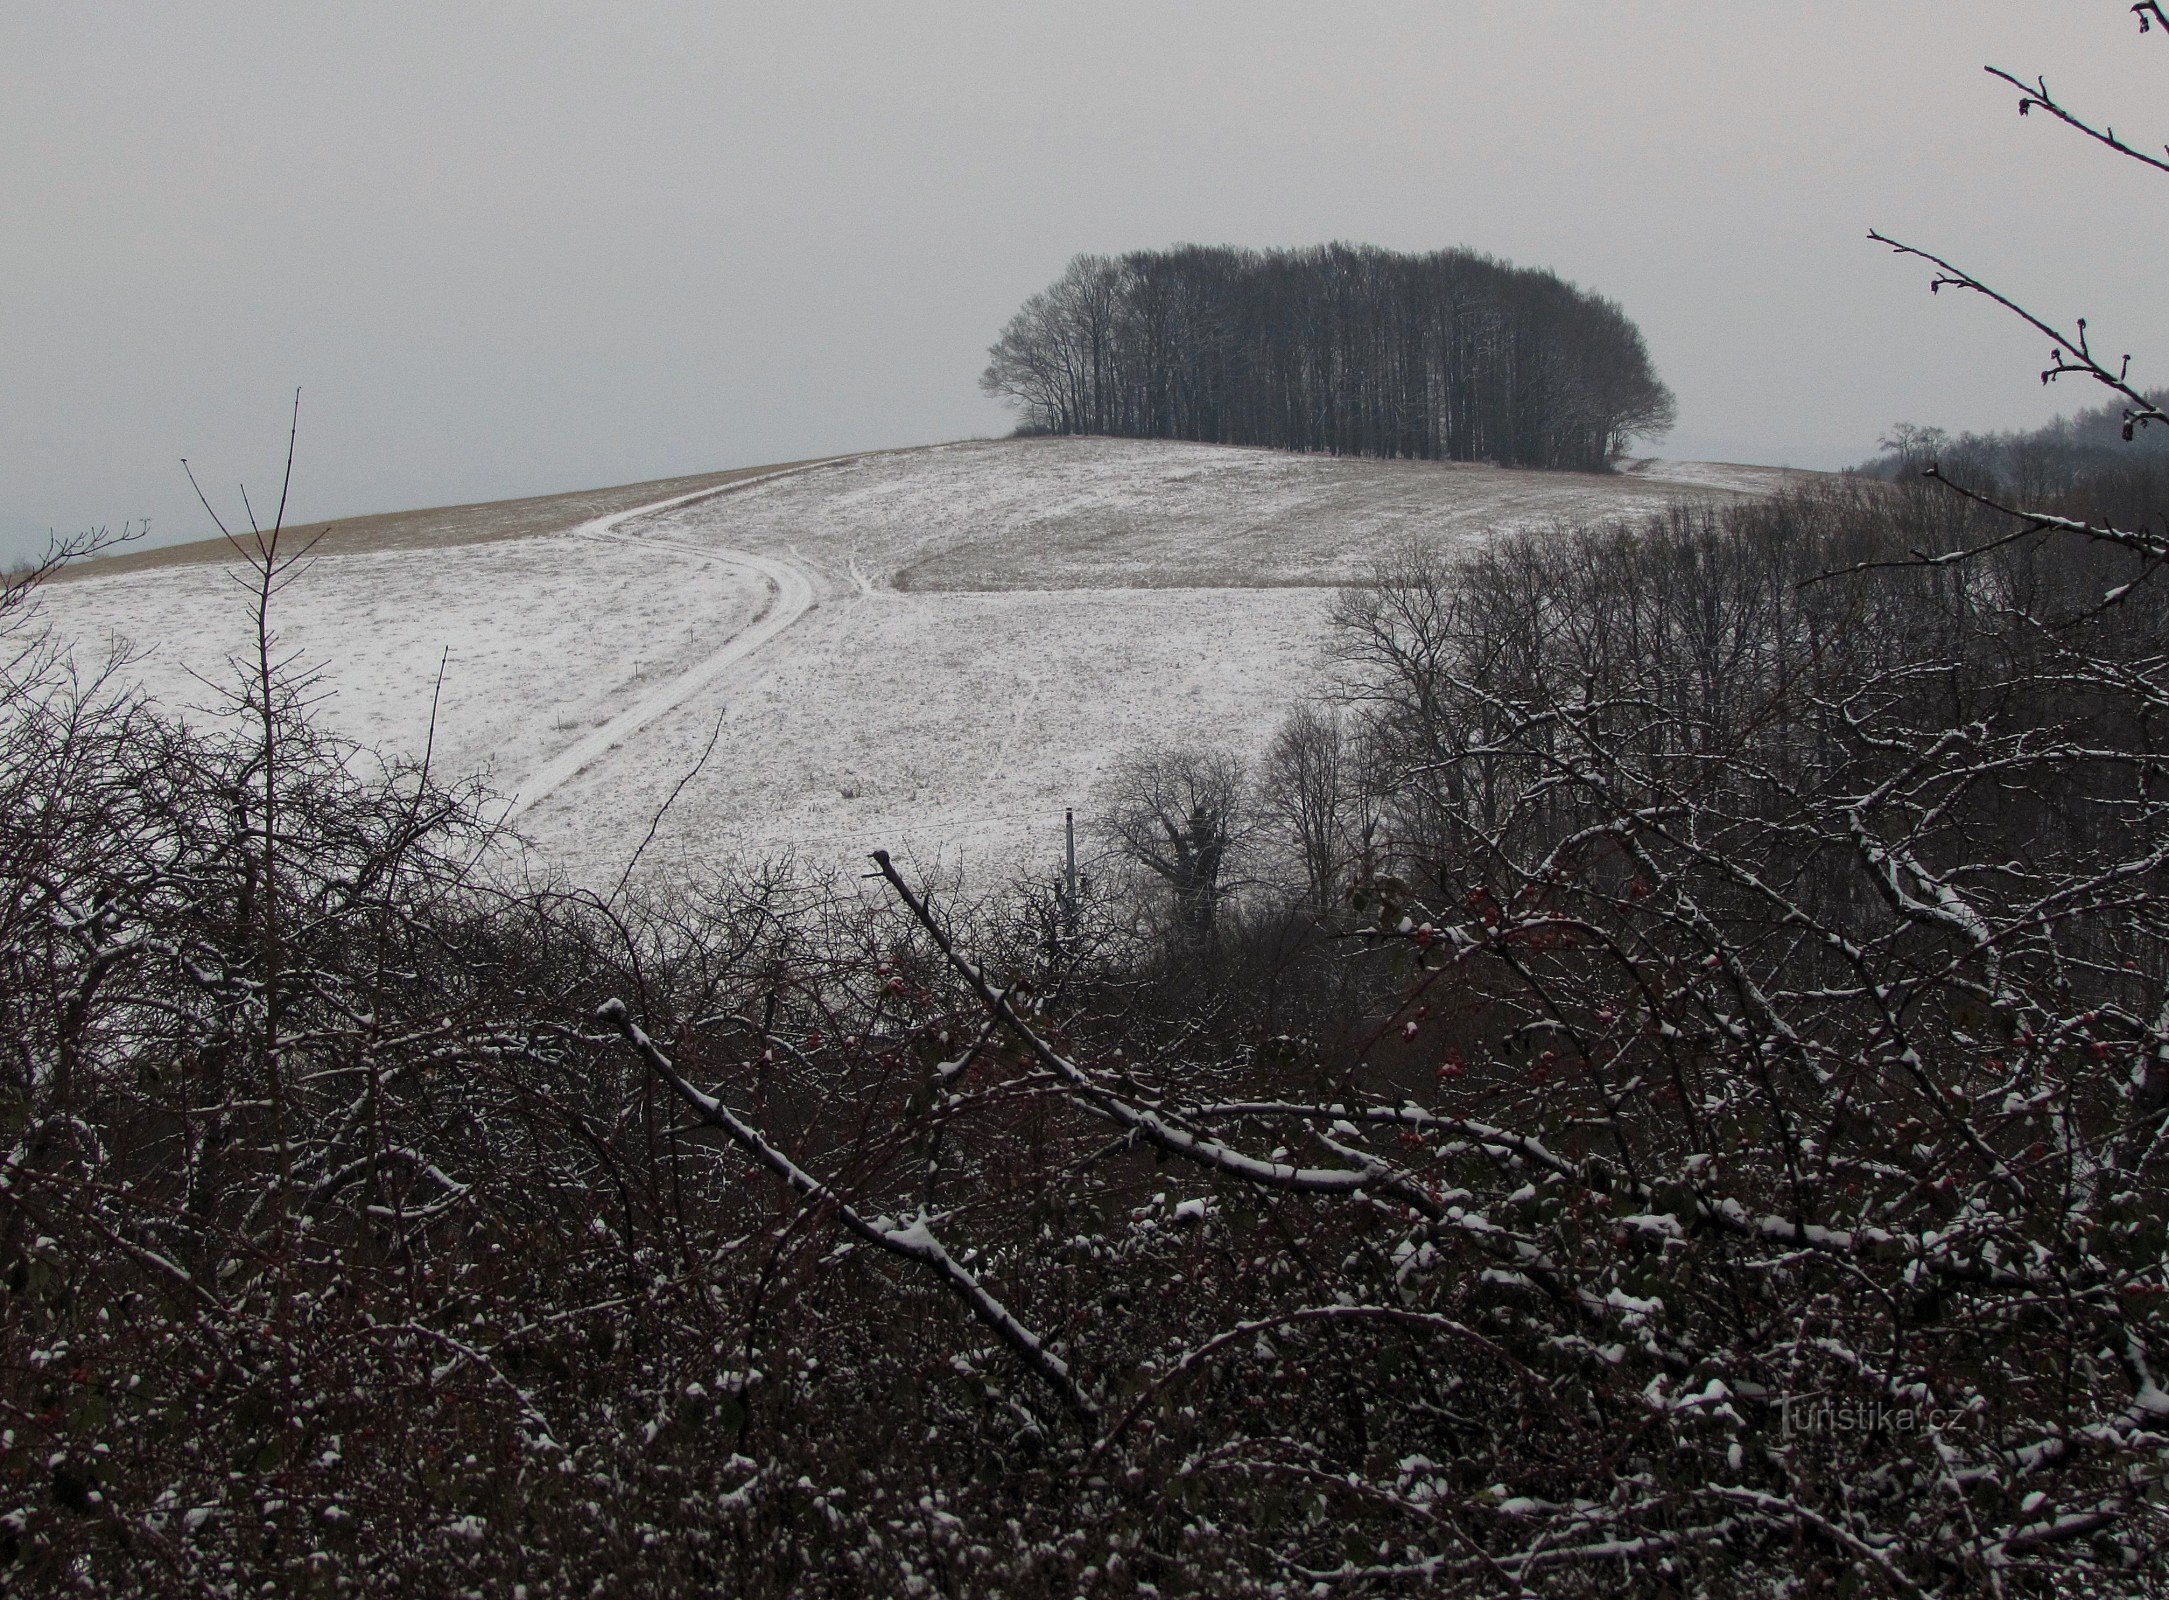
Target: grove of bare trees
{"points": [[1358, 351]]}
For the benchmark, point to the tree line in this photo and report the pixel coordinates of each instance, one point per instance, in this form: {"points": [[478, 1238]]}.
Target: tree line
{"points": [[1447, 355], [2061, 456]]}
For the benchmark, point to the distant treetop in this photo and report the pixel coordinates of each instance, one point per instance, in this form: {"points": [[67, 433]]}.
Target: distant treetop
{"points": [[1348, 349]]}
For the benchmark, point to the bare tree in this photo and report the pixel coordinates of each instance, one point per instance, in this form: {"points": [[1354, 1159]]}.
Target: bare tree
{"points": [[1315, 786], [1178, 814], [1914, 447]]}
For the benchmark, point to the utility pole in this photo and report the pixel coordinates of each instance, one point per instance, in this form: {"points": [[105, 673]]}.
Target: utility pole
{"points": [[1069, 873]]}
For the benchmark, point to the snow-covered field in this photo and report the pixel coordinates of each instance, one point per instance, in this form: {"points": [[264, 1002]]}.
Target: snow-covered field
{"points": [[1102, 513], [540, 640], [933, 651]]}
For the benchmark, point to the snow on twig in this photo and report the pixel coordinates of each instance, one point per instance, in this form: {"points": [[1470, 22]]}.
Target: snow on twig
{"points": [[912, 1240]]}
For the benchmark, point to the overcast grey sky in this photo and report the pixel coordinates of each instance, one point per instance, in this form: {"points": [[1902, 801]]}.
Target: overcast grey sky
{"points": [[510, 249]]}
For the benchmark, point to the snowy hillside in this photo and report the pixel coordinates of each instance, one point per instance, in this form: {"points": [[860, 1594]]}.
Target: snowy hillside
{"points": [[930, 650]]}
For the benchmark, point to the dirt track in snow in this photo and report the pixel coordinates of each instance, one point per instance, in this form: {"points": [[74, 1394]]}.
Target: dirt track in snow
{"points": [[791, 596]]}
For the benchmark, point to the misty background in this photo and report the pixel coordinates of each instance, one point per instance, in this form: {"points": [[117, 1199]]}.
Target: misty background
{"points": [[516, 249]]}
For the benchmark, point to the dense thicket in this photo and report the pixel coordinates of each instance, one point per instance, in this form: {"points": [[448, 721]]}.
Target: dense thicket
{"points": [[1664, 1089], [1358, 351]]}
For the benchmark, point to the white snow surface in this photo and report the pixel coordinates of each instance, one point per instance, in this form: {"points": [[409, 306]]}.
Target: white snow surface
{"points": [[932, 651]]}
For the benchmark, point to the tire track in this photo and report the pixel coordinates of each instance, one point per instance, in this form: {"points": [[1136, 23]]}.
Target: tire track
{"points": [[791, 596]]}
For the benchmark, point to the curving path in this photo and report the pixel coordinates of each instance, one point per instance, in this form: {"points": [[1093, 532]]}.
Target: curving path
{"points": [[792, 594]]}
